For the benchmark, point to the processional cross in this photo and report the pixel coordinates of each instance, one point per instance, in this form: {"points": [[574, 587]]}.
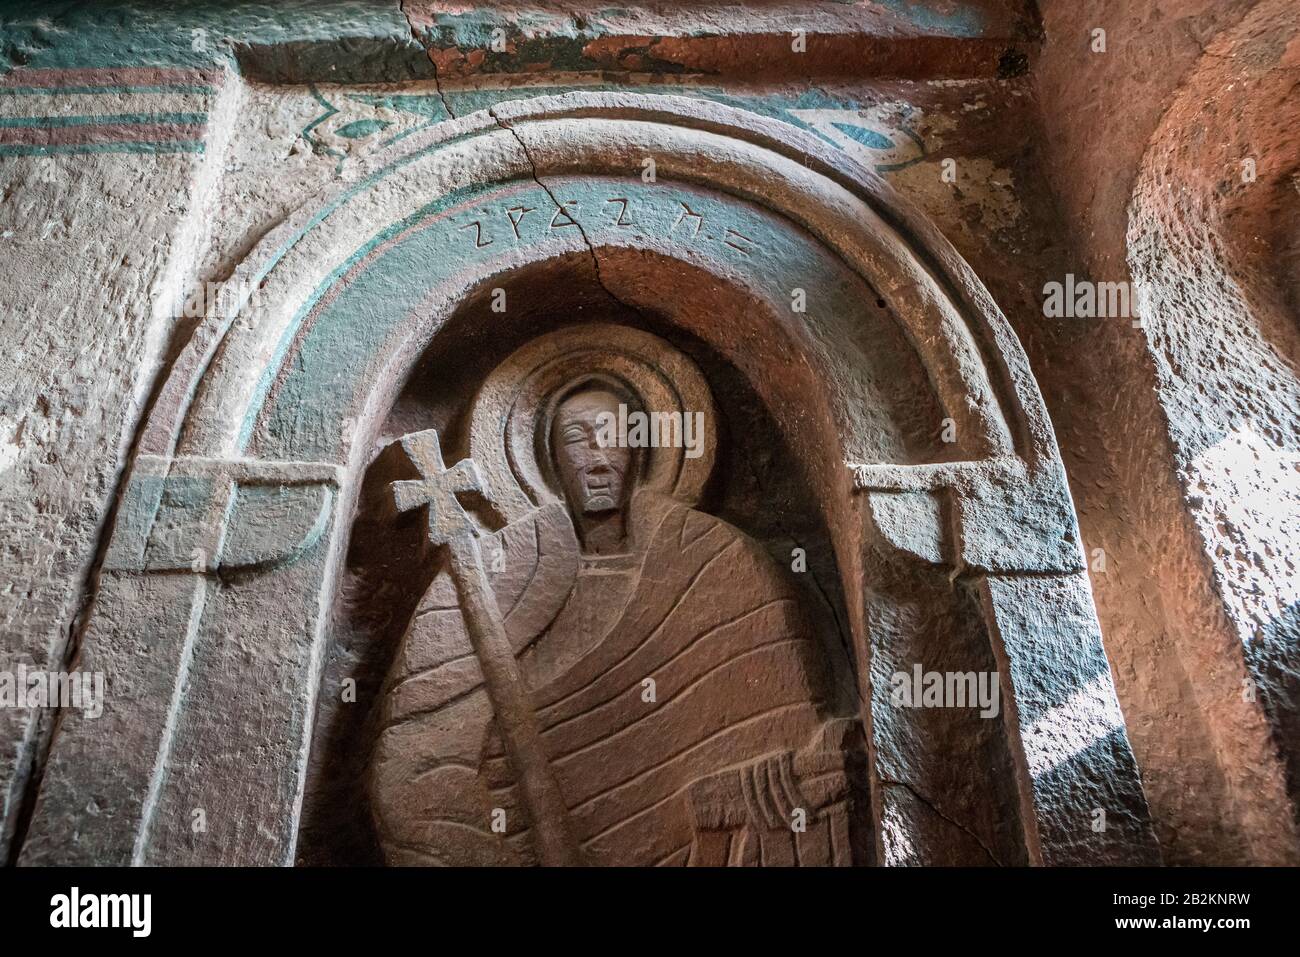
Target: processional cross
{"points": [[450, 525]]}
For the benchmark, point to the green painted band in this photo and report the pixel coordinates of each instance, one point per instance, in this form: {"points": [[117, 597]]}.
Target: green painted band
{"points": [[181, 119], [23, 149]]}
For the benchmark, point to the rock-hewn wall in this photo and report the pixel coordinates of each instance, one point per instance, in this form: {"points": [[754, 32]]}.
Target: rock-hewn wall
{"points": [[143, 151], [1135, 393]]}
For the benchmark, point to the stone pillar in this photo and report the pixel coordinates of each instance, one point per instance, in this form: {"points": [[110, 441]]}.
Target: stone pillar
{"points": [[211, 562], [1013, 533]]}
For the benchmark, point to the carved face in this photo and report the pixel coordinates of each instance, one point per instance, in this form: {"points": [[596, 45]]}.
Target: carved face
{"points": [[594, 478]]}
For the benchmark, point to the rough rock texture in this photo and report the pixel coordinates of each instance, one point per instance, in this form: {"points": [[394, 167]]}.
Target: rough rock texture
{"points": [[84, 235], [1136, 454], [1206, 237], [195, 500]]}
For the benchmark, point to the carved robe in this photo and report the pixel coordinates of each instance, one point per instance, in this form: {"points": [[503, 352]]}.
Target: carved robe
{"points": [[678, 690]]}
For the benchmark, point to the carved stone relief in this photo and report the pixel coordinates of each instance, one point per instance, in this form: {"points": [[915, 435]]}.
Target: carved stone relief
{"points": [[457, 658], [614, 677]]}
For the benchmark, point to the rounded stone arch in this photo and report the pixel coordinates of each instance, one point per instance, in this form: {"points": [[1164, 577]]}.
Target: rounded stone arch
{"points": [[977, 367], [270, 411], [221, 403]]}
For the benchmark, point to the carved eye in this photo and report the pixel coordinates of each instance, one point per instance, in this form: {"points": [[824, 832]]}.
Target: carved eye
{"points": [[574, 433]]}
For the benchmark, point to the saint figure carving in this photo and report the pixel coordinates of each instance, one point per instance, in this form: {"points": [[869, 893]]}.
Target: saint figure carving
{"points": [[669, 680]]}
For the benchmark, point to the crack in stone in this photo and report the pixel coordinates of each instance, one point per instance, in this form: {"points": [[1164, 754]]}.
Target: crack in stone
{"points": [[437, 85], [891, 782], [446, 105], [437, 79], [591, 249], [855, 691]]}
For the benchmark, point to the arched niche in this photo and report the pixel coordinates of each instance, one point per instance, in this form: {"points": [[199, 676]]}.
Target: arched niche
{"points": [[227, 554], [778, 444]]}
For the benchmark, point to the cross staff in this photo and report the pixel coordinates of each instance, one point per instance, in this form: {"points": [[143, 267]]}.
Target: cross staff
{"points": [[449, 525]]}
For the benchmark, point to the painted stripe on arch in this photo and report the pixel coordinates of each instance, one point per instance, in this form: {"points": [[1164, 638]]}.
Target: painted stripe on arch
{"points": [[24, 149]]}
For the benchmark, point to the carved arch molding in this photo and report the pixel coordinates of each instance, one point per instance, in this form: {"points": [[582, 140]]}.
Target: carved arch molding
{"points": [[213, 612]]}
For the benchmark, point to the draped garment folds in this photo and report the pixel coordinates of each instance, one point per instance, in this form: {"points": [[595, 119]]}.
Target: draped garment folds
{"points": [[680, 694]]}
